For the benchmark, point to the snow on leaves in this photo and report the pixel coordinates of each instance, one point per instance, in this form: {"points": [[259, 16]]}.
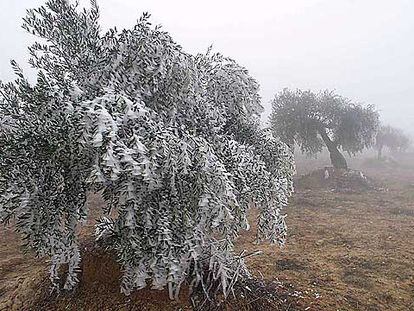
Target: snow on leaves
{"points": [[171, 140]]}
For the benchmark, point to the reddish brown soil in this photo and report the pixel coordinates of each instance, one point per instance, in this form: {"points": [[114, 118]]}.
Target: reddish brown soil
{"points": [[344, 252]]}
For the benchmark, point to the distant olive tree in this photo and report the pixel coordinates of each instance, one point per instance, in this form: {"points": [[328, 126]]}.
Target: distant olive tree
{"points": [[392, 138], [171, 140], [313, 120]]}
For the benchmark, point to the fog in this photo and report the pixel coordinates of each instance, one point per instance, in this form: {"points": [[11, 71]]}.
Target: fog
{"points": [[362, 49]]}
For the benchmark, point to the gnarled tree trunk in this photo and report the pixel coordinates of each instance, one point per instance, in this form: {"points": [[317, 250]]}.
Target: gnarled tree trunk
{"points": [[338, 161]]}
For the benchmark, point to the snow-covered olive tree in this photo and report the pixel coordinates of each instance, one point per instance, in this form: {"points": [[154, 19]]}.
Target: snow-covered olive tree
{"points": [[313, 120], [171, 140]]}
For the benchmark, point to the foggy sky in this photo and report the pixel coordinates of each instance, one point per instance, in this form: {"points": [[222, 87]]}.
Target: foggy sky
{"points": [[364, 49]]}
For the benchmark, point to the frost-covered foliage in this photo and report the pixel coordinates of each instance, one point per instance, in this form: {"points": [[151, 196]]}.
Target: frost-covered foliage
{"points": [[313, 120], [171, 140]]}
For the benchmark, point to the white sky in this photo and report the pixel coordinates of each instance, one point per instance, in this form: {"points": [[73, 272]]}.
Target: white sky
{"points": [[362, 48]]}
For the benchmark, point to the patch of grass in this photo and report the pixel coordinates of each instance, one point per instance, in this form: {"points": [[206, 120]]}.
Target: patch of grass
{"points": [[290, 264], [360, 263], [356, 277]]}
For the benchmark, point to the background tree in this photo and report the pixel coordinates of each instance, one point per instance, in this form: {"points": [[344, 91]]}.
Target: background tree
{"points": [[171, 140], [392, 138], [323, 119]]}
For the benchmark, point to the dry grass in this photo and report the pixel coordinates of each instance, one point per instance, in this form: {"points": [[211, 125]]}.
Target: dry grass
{"points": [[353, 252]]}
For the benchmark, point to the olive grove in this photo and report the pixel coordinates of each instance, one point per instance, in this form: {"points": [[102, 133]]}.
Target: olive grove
{"points": [[171, 141], [314, 120]]}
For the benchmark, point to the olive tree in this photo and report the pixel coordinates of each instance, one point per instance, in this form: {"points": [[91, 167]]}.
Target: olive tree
{"points": [[171, 141], [392, 138], [314, 120]]}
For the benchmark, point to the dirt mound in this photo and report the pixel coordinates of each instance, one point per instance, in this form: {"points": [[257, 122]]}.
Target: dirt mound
{"points": [[338, 180], [99, 289]]}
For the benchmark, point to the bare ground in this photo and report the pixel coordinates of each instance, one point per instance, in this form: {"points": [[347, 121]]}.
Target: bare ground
{"points": [[344, 252]]}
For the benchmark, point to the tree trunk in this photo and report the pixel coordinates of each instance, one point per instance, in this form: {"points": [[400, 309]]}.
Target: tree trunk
{"points": [[379, 152], [338, 161]]}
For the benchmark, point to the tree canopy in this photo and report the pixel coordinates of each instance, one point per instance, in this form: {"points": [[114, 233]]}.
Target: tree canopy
{"points": [[392, 138], [313, 120], [171, 140]]}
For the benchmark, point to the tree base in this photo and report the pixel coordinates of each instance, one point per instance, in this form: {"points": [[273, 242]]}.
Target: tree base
{"points": [[338, 180], [99, 289]]}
